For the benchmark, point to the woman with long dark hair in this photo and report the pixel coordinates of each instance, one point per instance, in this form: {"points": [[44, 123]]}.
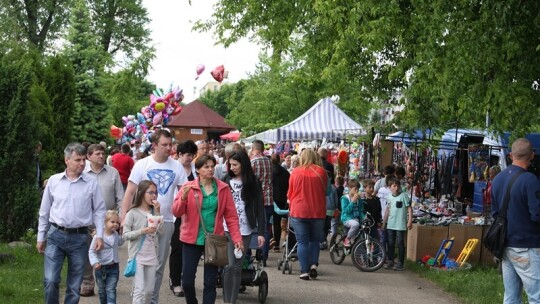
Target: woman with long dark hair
{"points": [[247, 194]]}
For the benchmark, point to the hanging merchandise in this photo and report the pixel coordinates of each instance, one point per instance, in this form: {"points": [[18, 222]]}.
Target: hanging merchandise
{"points": [[478, 162]]}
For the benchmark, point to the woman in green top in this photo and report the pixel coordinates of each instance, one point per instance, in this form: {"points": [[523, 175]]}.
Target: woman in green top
{"points": [[217, 205]]}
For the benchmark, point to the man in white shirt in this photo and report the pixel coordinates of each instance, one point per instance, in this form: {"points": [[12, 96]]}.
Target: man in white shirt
{"points": [[71, 203], [168, 175]]}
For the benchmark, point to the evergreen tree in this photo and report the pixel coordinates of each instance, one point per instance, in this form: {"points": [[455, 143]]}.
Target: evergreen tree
{"points": [[18, 192], [91, 116], [58, 80]]}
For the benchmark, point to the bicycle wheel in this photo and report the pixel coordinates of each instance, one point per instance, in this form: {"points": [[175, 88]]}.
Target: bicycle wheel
{"points": [[368, 255], [337, 252]]}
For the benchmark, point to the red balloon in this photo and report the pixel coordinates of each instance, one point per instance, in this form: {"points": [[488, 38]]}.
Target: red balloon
{"points": [[218, 73], [177, 110], [116, 132]]}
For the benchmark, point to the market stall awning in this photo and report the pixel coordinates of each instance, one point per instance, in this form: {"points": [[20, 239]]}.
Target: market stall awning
{"points": [[231, 136], [324, 120]]}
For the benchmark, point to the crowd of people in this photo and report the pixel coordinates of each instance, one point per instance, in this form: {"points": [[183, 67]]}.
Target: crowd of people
{"points": [[100, 202]]}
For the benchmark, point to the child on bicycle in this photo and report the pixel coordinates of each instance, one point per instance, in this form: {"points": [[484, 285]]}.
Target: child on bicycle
{"points": [[397, 219], [351, 211], [372, 204]]}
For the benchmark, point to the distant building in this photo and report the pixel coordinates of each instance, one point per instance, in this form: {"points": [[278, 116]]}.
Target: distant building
{"points": [[210, 86], [390, 108], [198, 122]]}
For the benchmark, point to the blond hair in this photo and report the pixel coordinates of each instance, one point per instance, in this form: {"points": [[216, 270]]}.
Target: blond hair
{"points": [[309, 157], [109, 214]]}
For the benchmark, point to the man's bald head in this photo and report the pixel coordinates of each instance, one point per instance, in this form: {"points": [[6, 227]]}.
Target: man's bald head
{"points": [[522, 149]]}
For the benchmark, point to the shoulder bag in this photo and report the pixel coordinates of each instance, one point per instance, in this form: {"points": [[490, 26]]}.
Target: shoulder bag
{"points": [[131, 265], [215, 245], [495, 238]]}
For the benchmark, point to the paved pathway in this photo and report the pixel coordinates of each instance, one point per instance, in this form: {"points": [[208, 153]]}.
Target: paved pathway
{"points": [[336, 284]]}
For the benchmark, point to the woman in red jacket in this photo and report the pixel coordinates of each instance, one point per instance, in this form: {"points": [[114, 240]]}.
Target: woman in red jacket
{"points": [[217, 205], [307, 199]]}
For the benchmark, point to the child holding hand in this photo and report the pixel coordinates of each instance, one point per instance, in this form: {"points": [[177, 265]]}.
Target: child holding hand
{"points": [[105, 261], [397, 219], [136, 230], [351, 211]]}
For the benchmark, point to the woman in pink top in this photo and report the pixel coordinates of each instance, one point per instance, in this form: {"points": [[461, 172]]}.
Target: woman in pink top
{"points": [[307, 199]]}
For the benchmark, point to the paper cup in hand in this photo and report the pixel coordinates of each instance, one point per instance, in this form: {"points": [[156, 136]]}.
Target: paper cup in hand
{"points": [[154, 220]]}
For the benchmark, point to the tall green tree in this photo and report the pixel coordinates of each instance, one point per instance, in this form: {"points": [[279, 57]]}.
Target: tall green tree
{"points": [[121, 25], [19, 193], [58, 80], [91, 119], [217, 100], [126, 93], [453, 61], [35, 22]]}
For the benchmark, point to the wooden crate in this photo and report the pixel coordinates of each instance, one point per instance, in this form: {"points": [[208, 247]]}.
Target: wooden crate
{"points": [[425, 240], [461, 234]]}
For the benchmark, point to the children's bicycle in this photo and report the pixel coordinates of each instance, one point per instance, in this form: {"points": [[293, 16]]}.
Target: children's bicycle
{"points": [[367, 253]]}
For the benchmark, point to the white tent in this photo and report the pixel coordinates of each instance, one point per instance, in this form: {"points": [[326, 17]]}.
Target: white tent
{"points": [[323, 120], [269, 136]]}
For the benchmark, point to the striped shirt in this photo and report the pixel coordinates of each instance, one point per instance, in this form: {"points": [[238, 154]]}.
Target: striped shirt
{"points": [[262, 167]]}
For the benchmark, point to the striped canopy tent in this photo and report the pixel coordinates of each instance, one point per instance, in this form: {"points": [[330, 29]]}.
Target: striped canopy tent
{"points": [[323, 120]]}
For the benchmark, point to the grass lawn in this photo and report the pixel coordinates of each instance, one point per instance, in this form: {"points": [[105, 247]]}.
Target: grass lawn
{"points": [[21, 280], [478, 285]]}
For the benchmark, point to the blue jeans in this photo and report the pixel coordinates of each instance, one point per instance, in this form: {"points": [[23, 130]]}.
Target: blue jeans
{"points": [[60, 245], [521, 267], [308, 236], [191, 254], [107, 279], [393, 236]]}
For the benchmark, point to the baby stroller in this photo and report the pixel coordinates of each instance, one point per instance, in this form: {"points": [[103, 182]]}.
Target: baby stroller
{"points": [[289, 251], [253, 273]]}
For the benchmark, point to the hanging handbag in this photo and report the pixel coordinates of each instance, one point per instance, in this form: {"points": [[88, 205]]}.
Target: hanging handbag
{"points": [[131, 265], [495, 238], [215, 245]]}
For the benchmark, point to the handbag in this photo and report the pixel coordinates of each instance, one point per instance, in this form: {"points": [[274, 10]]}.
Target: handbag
{"points": [[495, 238], [215, 245], [131, 266]]}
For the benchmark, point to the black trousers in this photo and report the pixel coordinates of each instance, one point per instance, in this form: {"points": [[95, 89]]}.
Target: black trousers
{"points": [[175, 259]]}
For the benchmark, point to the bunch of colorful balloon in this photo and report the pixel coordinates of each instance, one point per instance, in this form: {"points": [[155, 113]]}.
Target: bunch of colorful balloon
{"points": [[153, 116]]}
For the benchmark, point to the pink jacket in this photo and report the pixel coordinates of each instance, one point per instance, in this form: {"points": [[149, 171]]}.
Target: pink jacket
{"points": [[190, 213]]}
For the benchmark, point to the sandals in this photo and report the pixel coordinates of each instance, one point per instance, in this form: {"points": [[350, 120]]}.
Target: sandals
{"points": [[272, 242]]}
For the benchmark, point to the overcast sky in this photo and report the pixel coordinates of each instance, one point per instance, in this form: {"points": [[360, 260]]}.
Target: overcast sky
{"points": [[179, 50]]}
